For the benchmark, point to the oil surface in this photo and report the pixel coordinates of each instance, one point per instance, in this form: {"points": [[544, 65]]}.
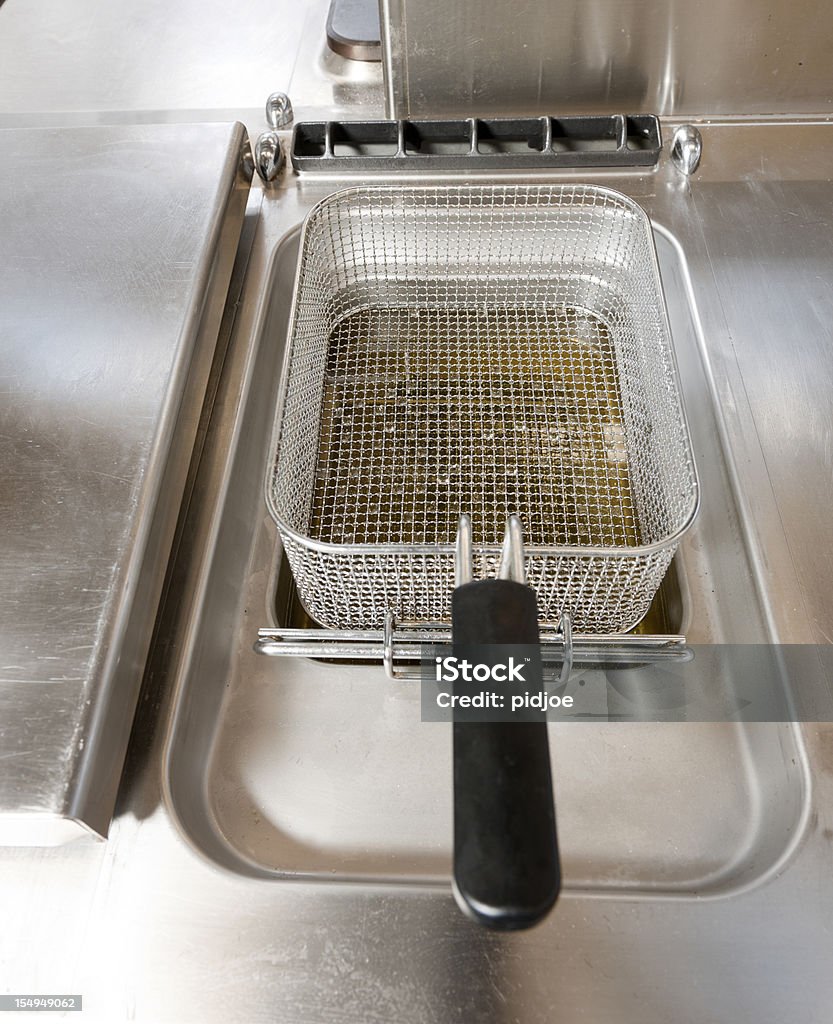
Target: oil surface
{"points": [[428, 413]]}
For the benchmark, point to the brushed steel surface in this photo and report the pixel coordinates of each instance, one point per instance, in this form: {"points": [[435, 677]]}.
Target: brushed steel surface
{"points": [[157, 62], [112, 283], [159, 56], [783, 340], [658, 56]]}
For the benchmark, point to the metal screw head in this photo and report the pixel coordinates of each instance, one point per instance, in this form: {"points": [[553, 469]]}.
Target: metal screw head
{"points": [[269, 156], [686, 149], [278, 111]]}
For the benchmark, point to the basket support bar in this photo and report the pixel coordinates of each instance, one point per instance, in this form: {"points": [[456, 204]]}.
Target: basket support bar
{"points": [[398, 647]]}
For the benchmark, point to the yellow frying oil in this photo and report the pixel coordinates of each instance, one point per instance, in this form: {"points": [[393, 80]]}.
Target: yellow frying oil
{"points": [[427, 413]]}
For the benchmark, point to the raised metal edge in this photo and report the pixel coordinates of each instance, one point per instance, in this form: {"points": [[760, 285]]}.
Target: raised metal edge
{"points": [[92, 789], [626, 140]]}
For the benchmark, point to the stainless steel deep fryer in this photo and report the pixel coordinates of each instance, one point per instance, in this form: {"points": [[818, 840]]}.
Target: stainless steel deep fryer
{"points": [[490, 351]]}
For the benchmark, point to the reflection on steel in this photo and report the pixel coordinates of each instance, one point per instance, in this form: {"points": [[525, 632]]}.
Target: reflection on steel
{"points": [[715, 57], [463, 561], [511, 566]]}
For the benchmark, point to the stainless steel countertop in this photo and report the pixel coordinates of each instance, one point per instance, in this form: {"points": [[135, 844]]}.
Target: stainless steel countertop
{"points": [[174, 63], [113, 278], [148, 930]]}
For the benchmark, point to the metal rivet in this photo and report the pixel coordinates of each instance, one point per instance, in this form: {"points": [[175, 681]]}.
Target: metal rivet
{"points": [[269, 156], [686, 149], [278, 111]]}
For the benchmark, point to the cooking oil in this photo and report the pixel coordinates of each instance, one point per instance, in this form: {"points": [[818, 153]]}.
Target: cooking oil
{"points": [[430, 412]]}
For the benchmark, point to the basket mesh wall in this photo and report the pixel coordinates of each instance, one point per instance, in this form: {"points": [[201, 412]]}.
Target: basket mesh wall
{"points": [[489, 350]]}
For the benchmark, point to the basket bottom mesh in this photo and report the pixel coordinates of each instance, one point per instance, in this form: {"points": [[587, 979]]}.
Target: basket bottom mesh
{"points": [[431, 412]]}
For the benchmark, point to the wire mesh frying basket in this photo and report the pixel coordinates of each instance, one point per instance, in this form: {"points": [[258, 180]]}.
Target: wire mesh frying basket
{"points": [[490, 350]]}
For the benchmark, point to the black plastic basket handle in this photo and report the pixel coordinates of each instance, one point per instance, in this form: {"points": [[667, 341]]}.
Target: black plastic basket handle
{"points": [[507, 873]]}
